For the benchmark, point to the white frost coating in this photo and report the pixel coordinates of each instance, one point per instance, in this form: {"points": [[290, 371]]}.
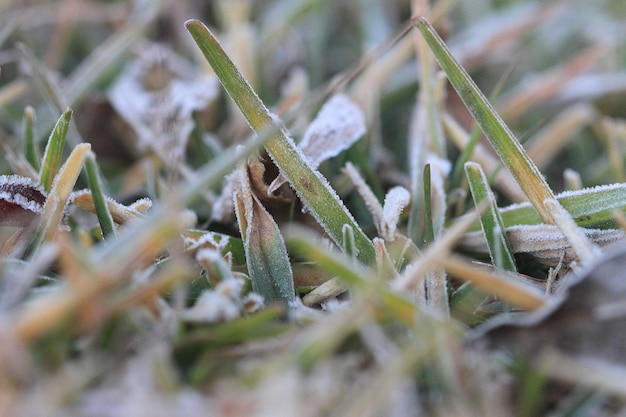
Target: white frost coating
{"points": [[215, 306], [439, 170], [10, 186], [592, 190], [22, 201], [18, 180], [254, 302], [321, 178], [161, 118], [141, 206], [338, 124], [545, 242], [585, 250], [210, 239], [395, 201], [573, 193], [366, 193]]}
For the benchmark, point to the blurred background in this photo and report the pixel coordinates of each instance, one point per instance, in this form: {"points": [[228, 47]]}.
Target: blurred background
{"points": [[557, 59]]}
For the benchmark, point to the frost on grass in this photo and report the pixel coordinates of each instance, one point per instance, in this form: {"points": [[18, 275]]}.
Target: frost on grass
{"points": [[395, 201], [21, 200], [266, 255], [221, 304], [338, 125], [385, 217], [605, 197], [121, 214], [156, 95], [545, 242], [439, 170]]}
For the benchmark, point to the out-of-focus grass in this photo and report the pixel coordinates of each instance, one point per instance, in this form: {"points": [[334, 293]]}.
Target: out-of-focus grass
{"points": [[140, 289]]}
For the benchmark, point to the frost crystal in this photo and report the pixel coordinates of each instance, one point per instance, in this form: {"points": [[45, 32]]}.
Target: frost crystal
{"points": [[223, 303], [395, 201], [338, 125]]}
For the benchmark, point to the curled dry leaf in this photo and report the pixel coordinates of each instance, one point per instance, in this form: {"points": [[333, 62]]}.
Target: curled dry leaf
{"points": [[21, 201], [336, 127]]}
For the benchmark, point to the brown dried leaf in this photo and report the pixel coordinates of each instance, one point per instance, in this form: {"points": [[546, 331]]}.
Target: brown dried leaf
{"points": [[21, 201]]}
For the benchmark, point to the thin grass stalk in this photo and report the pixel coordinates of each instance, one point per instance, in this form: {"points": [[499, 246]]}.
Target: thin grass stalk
{"points": [[99, 200], [491, 221], [30, 146]]}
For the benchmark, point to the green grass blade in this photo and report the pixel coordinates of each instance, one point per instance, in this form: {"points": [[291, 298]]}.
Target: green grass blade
{"points": [[429, 233], [312, 188], [491, 221], [501, 138], [590, 207], [349, 247], [102, 210], [53, 155], [30, 147], [266, 256], [466, 153]]}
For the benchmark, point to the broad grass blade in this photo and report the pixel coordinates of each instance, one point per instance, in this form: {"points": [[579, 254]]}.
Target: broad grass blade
{"points": [[311, 187], [590, 207], [501, 138], [266, 256]]}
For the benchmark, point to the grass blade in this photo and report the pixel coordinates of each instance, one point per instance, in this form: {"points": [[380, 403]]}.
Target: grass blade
{"points": [[491, 221], [53, 155], [102, 209], [312, 188], [501, 138], [266, 256], [30, 147], [590, 207], [60, 191]]}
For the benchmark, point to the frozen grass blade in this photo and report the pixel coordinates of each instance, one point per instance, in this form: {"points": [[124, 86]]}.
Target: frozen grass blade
{"points": [[312, 188], [491, 221], [30, 147], [266, 256], [590, 207], [584, 248], [501, 138], [102, 209], [53, 155], [468, 150]]}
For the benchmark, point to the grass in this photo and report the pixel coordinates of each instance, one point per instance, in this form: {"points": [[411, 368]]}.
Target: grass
{"points": [[266, 212]]}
